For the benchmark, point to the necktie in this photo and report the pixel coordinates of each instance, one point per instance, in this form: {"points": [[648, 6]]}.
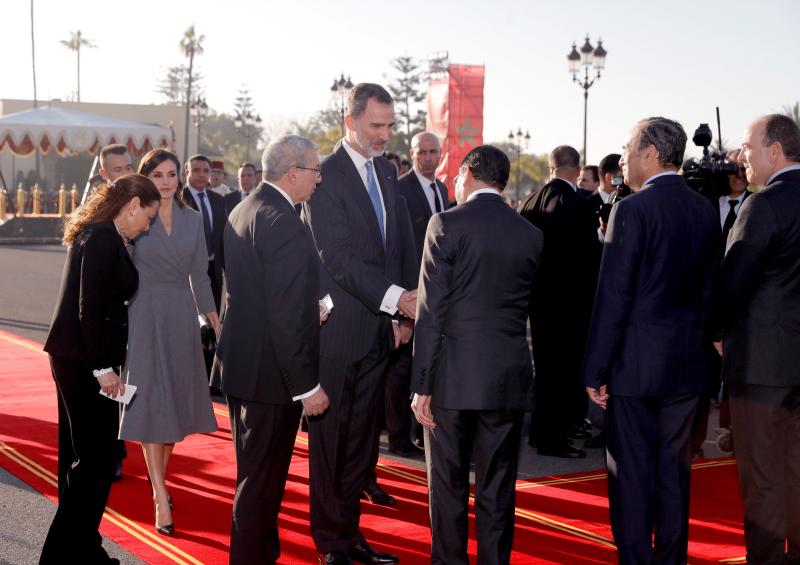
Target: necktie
{"points": [[206, 222], [436, 204], [729, 219], [375, 197]]}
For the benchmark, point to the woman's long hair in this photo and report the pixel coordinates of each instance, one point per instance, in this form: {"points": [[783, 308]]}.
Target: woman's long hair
{"points": [[153, 159], [105, 204]]}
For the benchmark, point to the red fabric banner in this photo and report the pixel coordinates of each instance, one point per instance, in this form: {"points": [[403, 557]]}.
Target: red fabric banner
{"points": [[455, 114]]}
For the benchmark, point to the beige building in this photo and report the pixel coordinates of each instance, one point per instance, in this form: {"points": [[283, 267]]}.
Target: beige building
{"points": [[167, 115]]}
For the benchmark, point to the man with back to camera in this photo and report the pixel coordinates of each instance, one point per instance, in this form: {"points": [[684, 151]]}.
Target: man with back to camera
{"points": [[271, 307], [212, 207], [362, 234], [645, 361], [472, 373], [760, 308], [247, 182], [562, 306]]}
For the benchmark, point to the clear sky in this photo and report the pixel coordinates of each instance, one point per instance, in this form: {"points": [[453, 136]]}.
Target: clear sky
{"points": [[679, 58]]}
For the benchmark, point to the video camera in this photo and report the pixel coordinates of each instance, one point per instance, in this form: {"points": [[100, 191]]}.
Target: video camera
{"points": [[621, 191], [709, 175]]}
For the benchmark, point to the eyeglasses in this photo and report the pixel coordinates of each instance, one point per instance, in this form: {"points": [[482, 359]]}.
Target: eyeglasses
{"points": [[317, 170]]}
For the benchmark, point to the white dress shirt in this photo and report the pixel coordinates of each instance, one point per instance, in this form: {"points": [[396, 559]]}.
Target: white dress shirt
{"points": [[392, 296], [430, 193], [483, 190], [795, 167], [605, 196], [291, 203], [725, 207], [665, 173]]}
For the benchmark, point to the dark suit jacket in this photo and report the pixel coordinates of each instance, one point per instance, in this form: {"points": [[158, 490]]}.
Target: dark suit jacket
{"points": [[470, 345], [358, 269], [269, 348], [660, 257], [90, 322], [231, 200], [759, 283], [409, 187], [217, 227]]}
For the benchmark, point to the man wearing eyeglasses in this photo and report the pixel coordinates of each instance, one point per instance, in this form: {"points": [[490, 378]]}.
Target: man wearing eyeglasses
{"points": [[363, 237]]}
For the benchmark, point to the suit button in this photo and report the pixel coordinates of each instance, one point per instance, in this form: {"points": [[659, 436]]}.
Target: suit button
{"points": [[126, 303]]}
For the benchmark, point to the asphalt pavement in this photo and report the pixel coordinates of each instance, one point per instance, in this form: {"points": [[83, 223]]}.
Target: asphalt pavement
{"points": [[29, 282]]}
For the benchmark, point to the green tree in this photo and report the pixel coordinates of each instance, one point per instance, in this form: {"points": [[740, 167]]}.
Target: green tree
{"points": [[191, 44], [174, 85], [534, 171], [75, 43], [408, 92], [323, 128], [793, 112]]}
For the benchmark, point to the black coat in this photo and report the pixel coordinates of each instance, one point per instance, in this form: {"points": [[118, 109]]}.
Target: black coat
{"points": [[760, 288], [409, 187], [219, 217], [90, 322], [231, 200], [470, 345], [660, 258], [269, 347], [358, 268]]}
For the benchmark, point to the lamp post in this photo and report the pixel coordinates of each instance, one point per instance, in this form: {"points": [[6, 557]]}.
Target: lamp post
{"points": [[199, 111], [520, 142], [591, 59], [249, 125], [339, 91]]}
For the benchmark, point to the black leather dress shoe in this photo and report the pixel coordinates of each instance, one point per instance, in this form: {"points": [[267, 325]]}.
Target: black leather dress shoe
{"points": [[579, 433], [339, 557], [376, 495], [597, 441], [419, 443], [363, 553], [565, 451]]}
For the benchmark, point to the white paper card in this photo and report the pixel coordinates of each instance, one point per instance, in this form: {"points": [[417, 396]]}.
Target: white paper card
{"points": [[326, 305], [130, 390]]}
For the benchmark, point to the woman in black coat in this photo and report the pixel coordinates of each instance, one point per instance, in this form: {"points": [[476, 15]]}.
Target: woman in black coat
{"points": [[86, 344]]}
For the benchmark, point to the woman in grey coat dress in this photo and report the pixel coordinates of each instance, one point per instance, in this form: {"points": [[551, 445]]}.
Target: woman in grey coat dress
{"points": [[165, 359]]}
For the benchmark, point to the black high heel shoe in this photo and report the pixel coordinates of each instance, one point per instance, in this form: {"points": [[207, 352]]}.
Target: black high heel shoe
{"points": [[169, 496], [167, 530]]}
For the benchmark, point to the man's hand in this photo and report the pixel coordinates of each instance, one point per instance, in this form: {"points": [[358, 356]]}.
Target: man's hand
{"points": [[407, 304], [323, 319], [421, 406], [403, 331], [213, 320], [316, 404], [111, 384], [718, 347], [603, 226], [598, 395]]}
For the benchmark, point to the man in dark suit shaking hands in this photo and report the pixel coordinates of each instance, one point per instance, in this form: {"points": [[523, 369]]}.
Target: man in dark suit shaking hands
{"points": [[645, 359], [472, 368], [363, 239], [268, 353], [760, 304]]}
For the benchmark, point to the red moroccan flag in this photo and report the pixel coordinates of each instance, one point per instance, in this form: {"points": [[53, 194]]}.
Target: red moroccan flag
{"points": [[455, 114]]}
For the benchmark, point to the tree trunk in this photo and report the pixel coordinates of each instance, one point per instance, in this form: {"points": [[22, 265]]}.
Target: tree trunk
{"points": [[186, 103], [78, 51]]}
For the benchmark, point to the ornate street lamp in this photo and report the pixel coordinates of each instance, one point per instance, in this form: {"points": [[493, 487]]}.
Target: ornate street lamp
{"points": [[593, 60], [249, 125], [520, 143], [339, 91], [199, 111]]}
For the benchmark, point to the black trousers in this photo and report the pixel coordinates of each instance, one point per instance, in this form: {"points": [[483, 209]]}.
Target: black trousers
{"points": [[93, 424], [397, 396], [560, 397], [649, 463], [341, 446], [766, 427], [263, 436], [491, 437]]}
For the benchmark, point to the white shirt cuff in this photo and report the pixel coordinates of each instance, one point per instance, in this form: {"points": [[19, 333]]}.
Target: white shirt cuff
{"points": [[306, 394], [600, 237], [391, 298]]}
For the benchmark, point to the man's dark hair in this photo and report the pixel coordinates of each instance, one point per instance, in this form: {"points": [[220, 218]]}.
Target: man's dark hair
{"points": [[113, 149], [610, 164], [247, 164], [406, 163], [360, 95], [595, 172], [565, 156], [488, 164], [198, 157], [784, 130], [667, 136]]}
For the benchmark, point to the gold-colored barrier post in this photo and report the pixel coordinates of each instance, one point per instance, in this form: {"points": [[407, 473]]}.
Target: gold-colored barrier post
{"points": [[37, 199], [74, 197], [21, 200], [62, 200], [3, 203]]}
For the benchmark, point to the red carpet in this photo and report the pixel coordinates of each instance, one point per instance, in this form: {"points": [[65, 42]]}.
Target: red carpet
{"points": [[559, 520]]}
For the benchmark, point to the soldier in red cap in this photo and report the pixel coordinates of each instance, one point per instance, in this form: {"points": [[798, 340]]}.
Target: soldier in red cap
{"points": [[217, 179]]}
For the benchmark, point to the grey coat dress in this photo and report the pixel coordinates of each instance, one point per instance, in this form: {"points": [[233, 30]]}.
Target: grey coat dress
{"points": [[165, 359]]}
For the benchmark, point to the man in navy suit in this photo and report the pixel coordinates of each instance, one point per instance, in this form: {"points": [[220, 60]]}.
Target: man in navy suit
{"points": [[645, 360]]}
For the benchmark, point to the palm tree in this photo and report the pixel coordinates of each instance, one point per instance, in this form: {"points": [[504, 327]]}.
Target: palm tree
{"points": [[793, 112], [74, 44], [191, 45]]}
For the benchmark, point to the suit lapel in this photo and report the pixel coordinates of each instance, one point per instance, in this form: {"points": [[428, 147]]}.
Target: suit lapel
{"points": [[354, 186], [387, 189], [443, 193], [421, 198]]}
